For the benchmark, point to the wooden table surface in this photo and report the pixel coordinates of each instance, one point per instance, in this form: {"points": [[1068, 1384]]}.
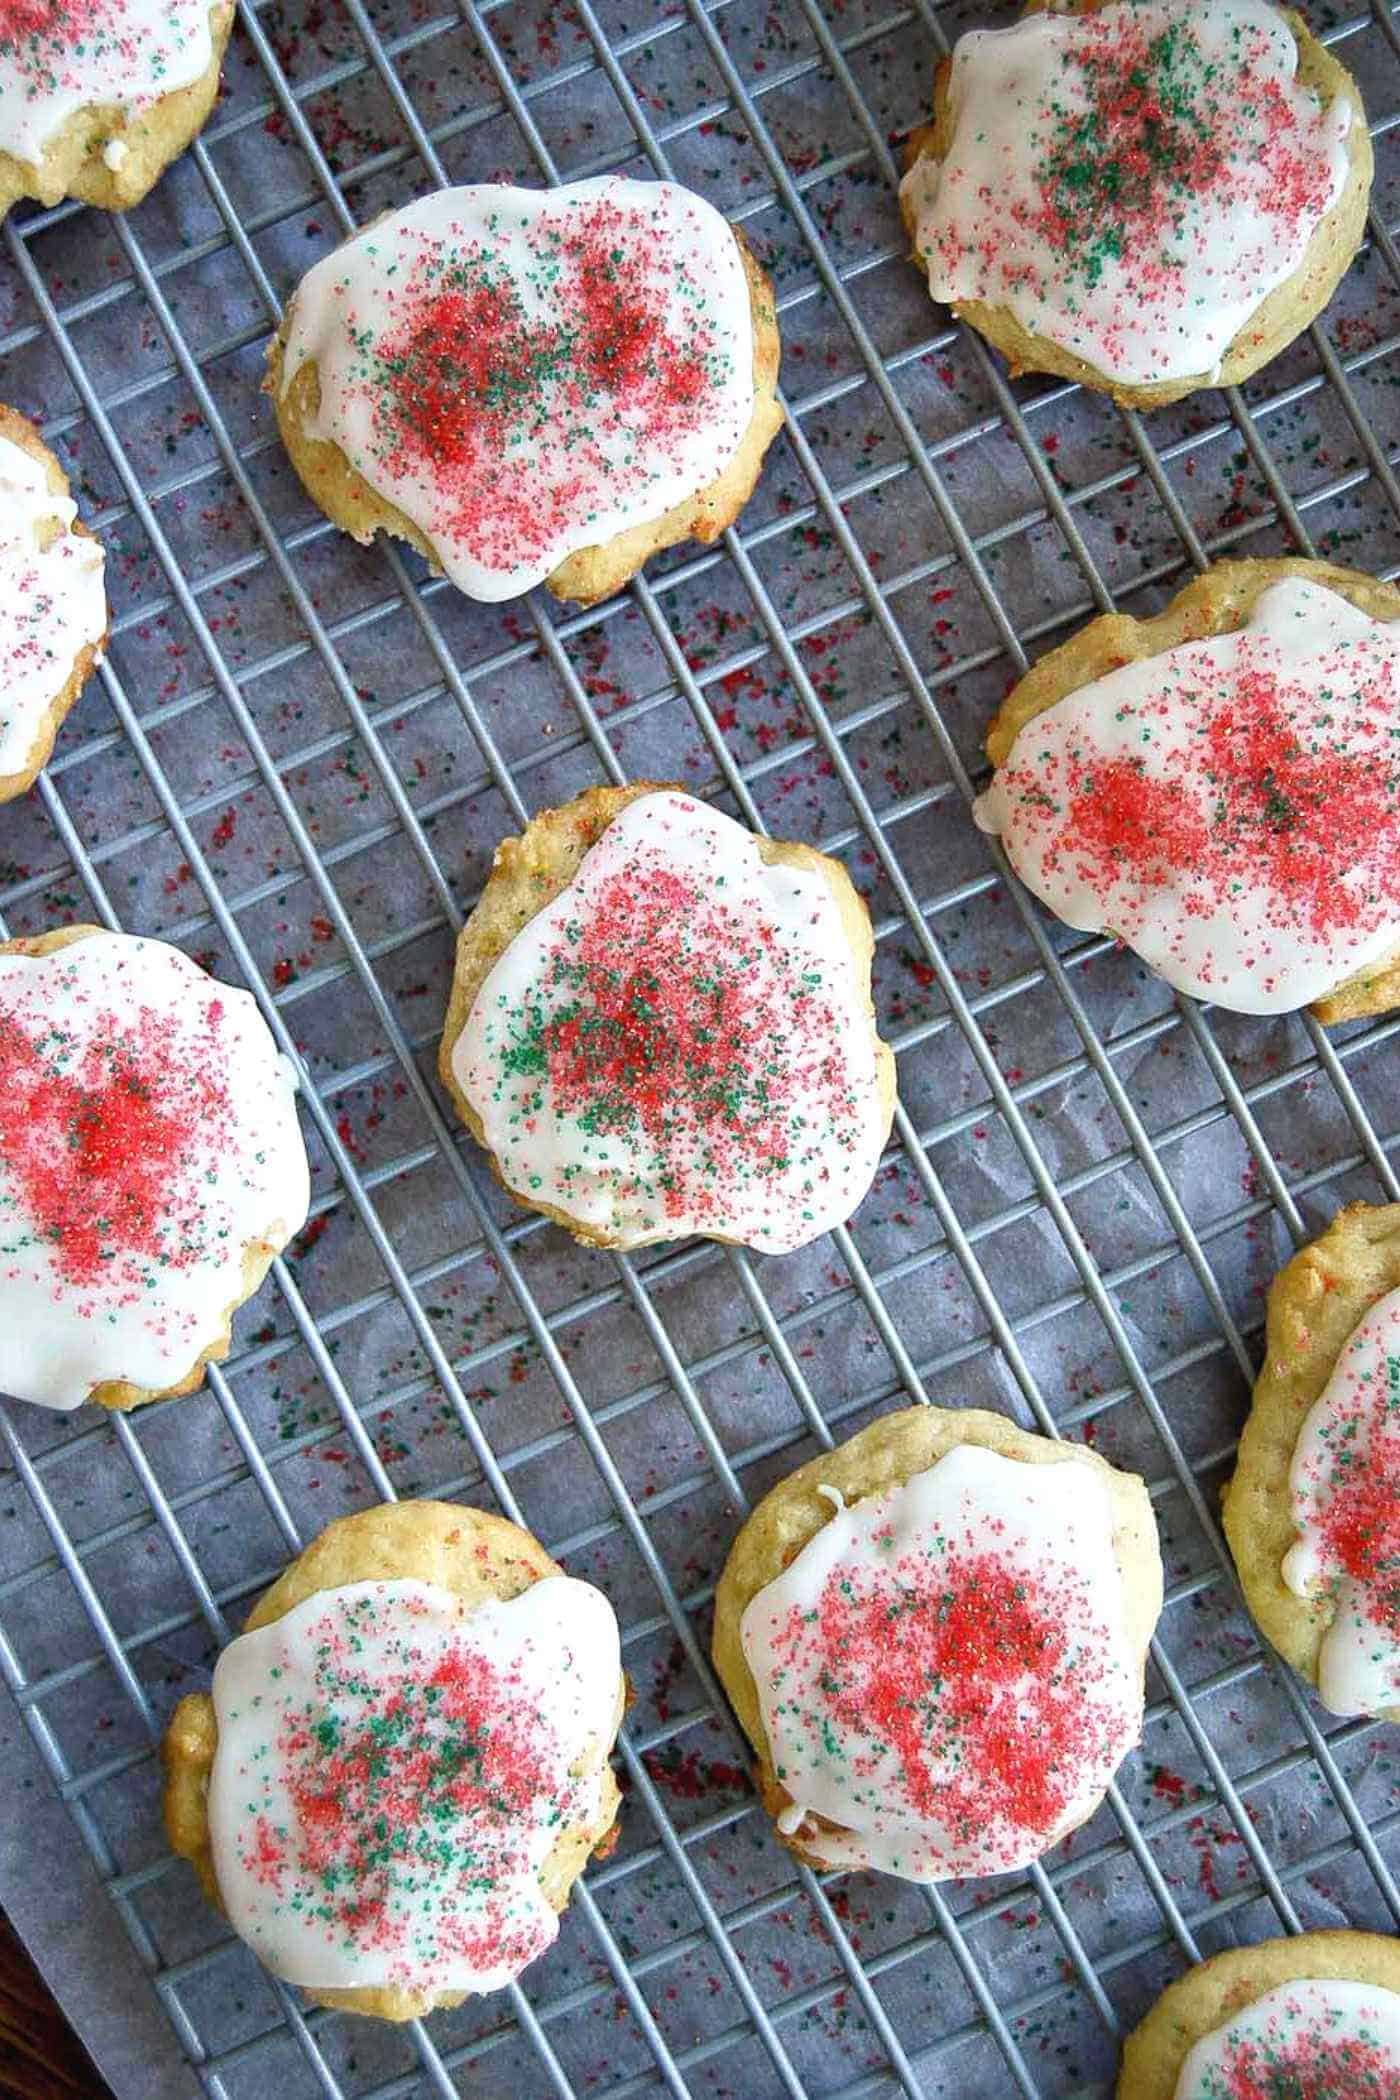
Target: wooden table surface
{"points": [[40, 2056]]}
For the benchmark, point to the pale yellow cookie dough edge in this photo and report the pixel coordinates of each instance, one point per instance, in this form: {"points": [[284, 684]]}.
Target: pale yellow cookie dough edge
{"points": [[883, 1456], [1216, 603], [73, 164], [477, 1556], [529, 872], [593, 573], [21, 432], [1315, 1303], [1209, 1995], [1284, 314], [119, 1394]]}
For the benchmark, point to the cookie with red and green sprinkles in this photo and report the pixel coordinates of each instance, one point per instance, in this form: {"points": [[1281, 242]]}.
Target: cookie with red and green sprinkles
{"points": [[151, 1166], [402, 1765], [1313, 1511], [934, 1637], [1218, 786], [1148, 196], [533, 386], [661, 1024], [1314, 2017], [97, 97]]}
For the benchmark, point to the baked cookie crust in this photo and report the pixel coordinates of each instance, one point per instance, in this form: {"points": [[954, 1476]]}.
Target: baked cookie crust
{"points": [[473, 1554], [1284, 314], [591, 573], [1216, 603], [21, 432], [73, 164], [118, 1393], [528, 873], [1213, 1992], [884, 1456], [1315, 1302]]}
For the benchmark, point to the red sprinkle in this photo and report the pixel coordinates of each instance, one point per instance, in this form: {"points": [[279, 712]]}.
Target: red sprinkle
{"points": [[1310, 2066], [473, 380], [969, 1674], [96, 1142]]}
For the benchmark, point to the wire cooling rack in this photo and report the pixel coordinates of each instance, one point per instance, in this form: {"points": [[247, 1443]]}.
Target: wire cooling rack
{"points": [[297, 761]]}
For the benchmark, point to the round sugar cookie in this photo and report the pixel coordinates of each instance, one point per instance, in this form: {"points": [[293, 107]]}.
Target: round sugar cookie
{"points": [[151, 1166], [1313, 1510], [934, 1637], [1147, 196], [53, 606], [402, 1768], [97, 97], [1215, 786], [661, 1024], [533, 386], [1315, 2014]]}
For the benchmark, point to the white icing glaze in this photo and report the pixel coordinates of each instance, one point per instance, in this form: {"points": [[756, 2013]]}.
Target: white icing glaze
{"points": [[393, 1769], [52, 603], [1143, 225], [943, 1670], [1230, 808], [1315, 2036], [679, 1042], [1345, 1484], [60, 56], [148, 1136], [525, 373]]}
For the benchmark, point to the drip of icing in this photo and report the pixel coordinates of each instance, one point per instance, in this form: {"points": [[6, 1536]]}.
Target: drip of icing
{"points": [[678, 1043], [148, 1136], [51, 591], [1313, 2039], [943, 1670], [525, 373], [60, 56], [1230, 808], [1130, 183], [393, 1769], [1345, 1482]]}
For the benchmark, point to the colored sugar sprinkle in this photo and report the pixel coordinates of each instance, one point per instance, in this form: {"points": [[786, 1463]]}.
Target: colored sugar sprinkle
{"points": [[109, 1138], [1300, 810], [407, 1784], [1345, 1481], [1359, 1516], [981, 1683], [1164, 124], [56, 56], [393, 1771], [667, 1019], [1313, 2039], [54, 21], [1230, 807], [511, 376]]}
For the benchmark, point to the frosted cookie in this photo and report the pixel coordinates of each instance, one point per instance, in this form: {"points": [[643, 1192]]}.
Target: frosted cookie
{"points": [[53, 607], [1217, 787], [661, 1025], [533, 386], [1315, 2017], [97, 97], [1313, 1511], [934, 1637], [151, 1165], [403, 1766], [1148, 196]]}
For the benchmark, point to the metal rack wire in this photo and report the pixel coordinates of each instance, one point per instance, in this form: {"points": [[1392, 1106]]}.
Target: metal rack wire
{"points": [[739, 1365]]}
